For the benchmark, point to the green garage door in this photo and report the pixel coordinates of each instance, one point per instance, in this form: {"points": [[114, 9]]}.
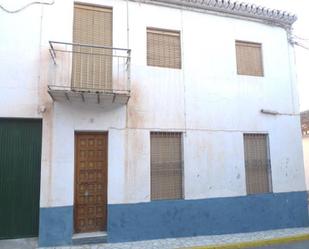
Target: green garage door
{"points": [[20, 169]]}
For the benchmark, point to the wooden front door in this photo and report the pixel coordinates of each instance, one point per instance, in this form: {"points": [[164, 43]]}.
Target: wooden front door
{"points": [[90, 207]]}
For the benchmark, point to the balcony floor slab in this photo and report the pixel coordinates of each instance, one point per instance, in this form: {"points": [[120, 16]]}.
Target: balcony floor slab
{"points": [[87, 97]]}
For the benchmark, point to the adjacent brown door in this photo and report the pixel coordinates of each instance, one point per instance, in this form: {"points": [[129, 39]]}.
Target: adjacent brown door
{"points": [[90, 207]]}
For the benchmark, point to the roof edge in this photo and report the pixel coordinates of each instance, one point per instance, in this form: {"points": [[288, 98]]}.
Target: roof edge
{"points": [[237, 9]]}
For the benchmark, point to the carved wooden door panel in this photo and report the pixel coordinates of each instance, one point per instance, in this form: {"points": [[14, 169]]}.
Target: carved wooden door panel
{"points": [[90, 207]]}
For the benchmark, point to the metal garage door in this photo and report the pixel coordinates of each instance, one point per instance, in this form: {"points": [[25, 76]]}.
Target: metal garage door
{"points": [[20, 167]]}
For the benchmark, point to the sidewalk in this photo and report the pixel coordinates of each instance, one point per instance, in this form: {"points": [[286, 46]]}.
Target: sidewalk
{"points": [[283, 235], [228, 241]]}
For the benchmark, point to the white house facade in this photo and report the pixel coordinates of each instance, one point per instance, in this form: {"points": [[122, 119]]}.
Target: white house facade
{"points": [[152, 119]]}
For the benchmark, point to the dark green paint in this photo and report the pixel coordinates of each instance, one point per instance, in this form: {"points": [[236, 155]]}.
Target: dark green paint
{"points": [[20, 169]]}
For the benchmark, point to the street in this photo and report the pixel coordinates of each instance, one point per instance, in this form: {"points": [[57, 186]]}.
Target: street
{"points": [[295, 245]]}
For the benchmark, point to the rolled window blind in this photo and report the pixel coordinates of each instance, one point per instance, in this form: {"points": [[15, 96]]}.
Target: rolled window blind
{"points": [[163, 48], [92, 67], [257, 163], [166, 165], [249, 58]]}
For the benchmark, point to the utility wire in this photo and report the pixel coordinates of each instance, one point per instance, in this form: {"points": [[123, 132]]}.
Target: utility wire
{"points": [[300, 38], [298, 41], [26, 6], [301, 45]]}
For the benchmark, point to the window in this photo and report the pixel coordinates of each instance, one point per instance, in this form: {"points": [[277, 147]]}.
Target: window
{"points": [[257, 163], [249, 58], [163, 48], [166, 165], [92, 67]]}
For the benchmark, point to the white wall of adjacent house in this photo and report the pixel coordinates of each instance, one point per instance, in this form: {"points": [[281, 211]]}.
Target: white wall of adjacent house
{"points": [[205, 100], [306, 158]]}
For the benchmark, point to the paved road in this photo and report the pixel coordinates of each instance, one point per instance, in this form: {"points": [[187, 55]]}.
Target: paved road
{"points": [[295, 245]]}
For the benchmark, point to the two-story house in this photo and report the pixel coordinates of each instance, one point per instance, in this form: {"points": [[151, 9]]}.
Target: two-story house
{"points": [[135, 120]]}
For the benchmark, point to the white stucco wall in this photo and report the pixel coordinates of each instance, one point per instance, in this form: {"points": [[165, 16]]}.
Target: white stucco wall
{"points": [[19, 58], [206, 100], [214, 105], [68, 119]]}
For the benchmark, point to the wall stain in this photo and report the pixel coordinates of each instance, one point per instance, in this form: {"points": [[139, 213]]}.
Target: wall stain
{"points": [[136, 115], [45, 100]]}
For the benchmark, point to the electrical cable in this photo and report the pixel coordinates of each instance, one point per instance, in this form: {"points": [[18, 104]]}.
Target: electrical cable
{"points": [[301, 45], [300, 38], [26, 6], [294, 40]]}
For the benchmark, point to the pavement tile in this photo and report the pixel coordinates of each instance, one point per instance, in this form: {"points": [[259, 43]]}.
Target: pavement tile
{"points": [[195, 241]]}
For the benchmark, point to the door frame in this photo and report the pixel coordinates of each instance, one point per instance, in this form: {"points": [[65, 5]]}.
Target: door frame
{"points": [[76, 132]]}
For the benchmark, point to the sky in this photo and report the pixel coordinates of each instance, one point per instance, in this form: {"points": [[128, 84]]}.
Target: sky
{"points": [[300, 29]]}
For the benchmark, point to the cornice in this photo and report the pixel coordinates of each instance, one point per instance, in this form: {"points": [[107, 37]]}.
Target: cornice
{"points": [[231, 8]]}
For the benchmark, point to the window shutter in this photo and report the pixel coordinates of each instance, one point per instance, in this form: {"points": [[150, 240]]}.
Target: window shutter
{"points": [[249, 58], [257, 163], [92, 67], [163, 48], [166, 166]]}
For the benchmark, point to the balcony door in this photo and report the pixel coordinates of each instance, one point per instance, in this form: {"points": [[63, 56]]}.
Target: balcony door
{"points": [[92, 65]]}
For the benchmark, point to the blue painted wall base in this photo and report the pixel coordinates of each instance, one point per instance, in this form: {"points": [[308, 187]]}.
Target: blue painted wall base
{"points": [[180, 218], [56, 226]]}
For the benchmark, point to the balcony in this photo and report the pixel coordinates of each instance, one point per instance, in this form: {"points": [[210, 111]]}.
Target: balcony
{"points": [[89, 73]]}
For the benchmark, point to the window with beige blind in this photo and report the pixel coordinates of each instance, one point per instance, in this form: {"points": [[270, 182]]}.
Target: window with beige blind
{"points": [[166, 165], [163, 48], [257, 163], [92, 66], [249, 58]]}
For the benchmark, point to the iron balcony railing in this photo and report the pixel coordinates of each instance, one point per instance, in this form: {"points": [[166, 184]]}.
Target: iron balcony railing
{"points": [[90, 68]]}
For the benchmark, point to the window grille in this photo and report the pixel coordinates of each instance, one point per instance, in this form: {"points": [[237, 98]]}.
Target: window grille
{"points": [[304, 118], [249, 58], [163, 48], [257, 163], [166, 165]]}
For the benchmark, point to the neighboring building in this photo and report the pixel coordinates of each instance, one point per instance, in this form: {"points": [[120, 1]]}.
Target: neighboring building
{"points": [[305, 132], [148, 119]]}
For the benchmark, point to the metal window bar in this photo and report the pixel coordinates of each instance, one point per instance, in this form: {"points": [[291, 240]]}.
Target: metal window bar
{"points": [[90, 67], [257, 163], [166, 165]]}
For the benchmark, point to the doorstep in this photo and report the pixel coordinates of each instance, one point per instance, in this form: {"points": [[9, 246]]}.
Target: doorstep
{"points": [[89, 238]]}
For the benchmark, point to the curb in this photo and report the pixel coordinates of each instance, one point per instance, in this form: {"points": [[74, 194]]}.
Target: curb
{"points": [[256, 243]]}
